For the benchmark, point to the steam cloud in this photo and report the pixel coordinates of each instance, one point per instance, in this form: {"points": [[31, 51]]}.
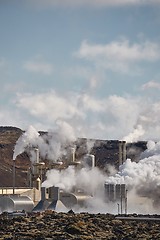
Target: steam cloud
{"points": [[135, 135], [29, 139], [49, 146], [85, 179], [143, 177]]}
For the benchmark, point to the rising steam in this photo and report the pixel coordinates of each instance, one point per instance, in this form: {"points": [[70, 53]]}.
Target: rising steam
{"points": [[85, 179], [30, 138], [142, 178], [134, 136], [50, 145]]}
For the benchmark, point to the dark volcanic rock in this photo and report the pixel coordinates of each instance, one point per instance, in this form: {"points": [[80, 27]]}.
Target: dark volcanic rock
{"points": [[62, 226], [8, 138]]}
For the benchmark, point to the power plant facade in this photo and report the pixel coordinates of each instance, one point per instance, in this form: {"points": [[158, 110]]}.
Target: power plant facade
{"points": [[38, 198]]}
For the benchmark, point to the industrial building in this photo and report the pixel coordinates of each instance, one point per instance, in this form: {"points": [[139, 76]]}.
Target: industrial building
{"points": [[37, 198], [84, 153]]}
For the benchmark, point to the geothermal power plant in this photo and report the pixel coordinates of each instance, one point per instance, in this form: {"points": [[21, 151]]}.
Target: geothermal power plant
{"points": [[89, 175]]}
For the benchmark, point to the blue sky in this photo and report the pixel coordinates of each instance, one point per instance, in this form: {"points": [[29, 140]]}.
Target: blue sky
{"points": [[93, 65]]}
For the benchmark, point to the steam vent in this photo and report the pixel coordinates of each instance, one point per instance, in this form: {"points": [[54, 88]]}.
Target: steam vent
{"points": [[63, 179]]}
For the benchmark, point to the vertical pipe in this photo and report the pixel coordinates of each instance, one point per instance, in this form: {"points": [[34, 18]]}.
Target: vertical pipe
{"points": [[121, 204], [118, 208], [30, 178], [54, 193], [14, 175], [124, 152], [38, 183], [37, 155], [126, 202], [120, 153], [92, 161], [72, 154], [43, 193]]}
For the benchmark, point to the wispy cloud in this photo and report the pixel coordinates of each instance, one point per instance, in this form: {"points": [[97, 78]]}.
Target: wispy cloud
{"points": [[111, 117], [119, 55], [150, 85], [39, 67], [94, 3], [39, 105]]}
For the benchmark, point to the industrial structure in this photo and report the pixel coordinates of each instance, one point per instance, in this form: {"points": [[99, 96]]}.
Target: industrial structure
{"points": [[37, 198], [10, 203], [117, 193]]}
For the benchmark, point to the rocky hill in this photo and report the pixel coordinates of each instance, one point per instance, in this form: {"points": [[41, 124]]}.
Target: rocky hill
{"points": [[8, 138]]}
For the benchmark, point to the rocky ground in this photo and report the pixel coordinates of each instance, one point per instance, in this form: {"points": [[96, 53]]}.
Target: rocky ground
{"points": [[61, 226]]}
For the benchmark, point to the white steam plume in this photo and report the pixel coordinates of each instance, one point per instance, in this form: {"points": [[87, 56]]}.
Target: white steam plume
{"points": [[28, 139], [90, 145], [85, 179], [135, 135], [50, 146], [142, 177]]}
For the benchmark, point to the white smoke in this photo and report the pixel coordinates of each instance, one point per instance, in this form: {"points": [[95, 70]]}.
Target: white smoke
{"points": [[50, 145], [90, 145], [88, 180], [134, 136], [97, 205], [142, 177], [152, 149], [28, 139]]}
